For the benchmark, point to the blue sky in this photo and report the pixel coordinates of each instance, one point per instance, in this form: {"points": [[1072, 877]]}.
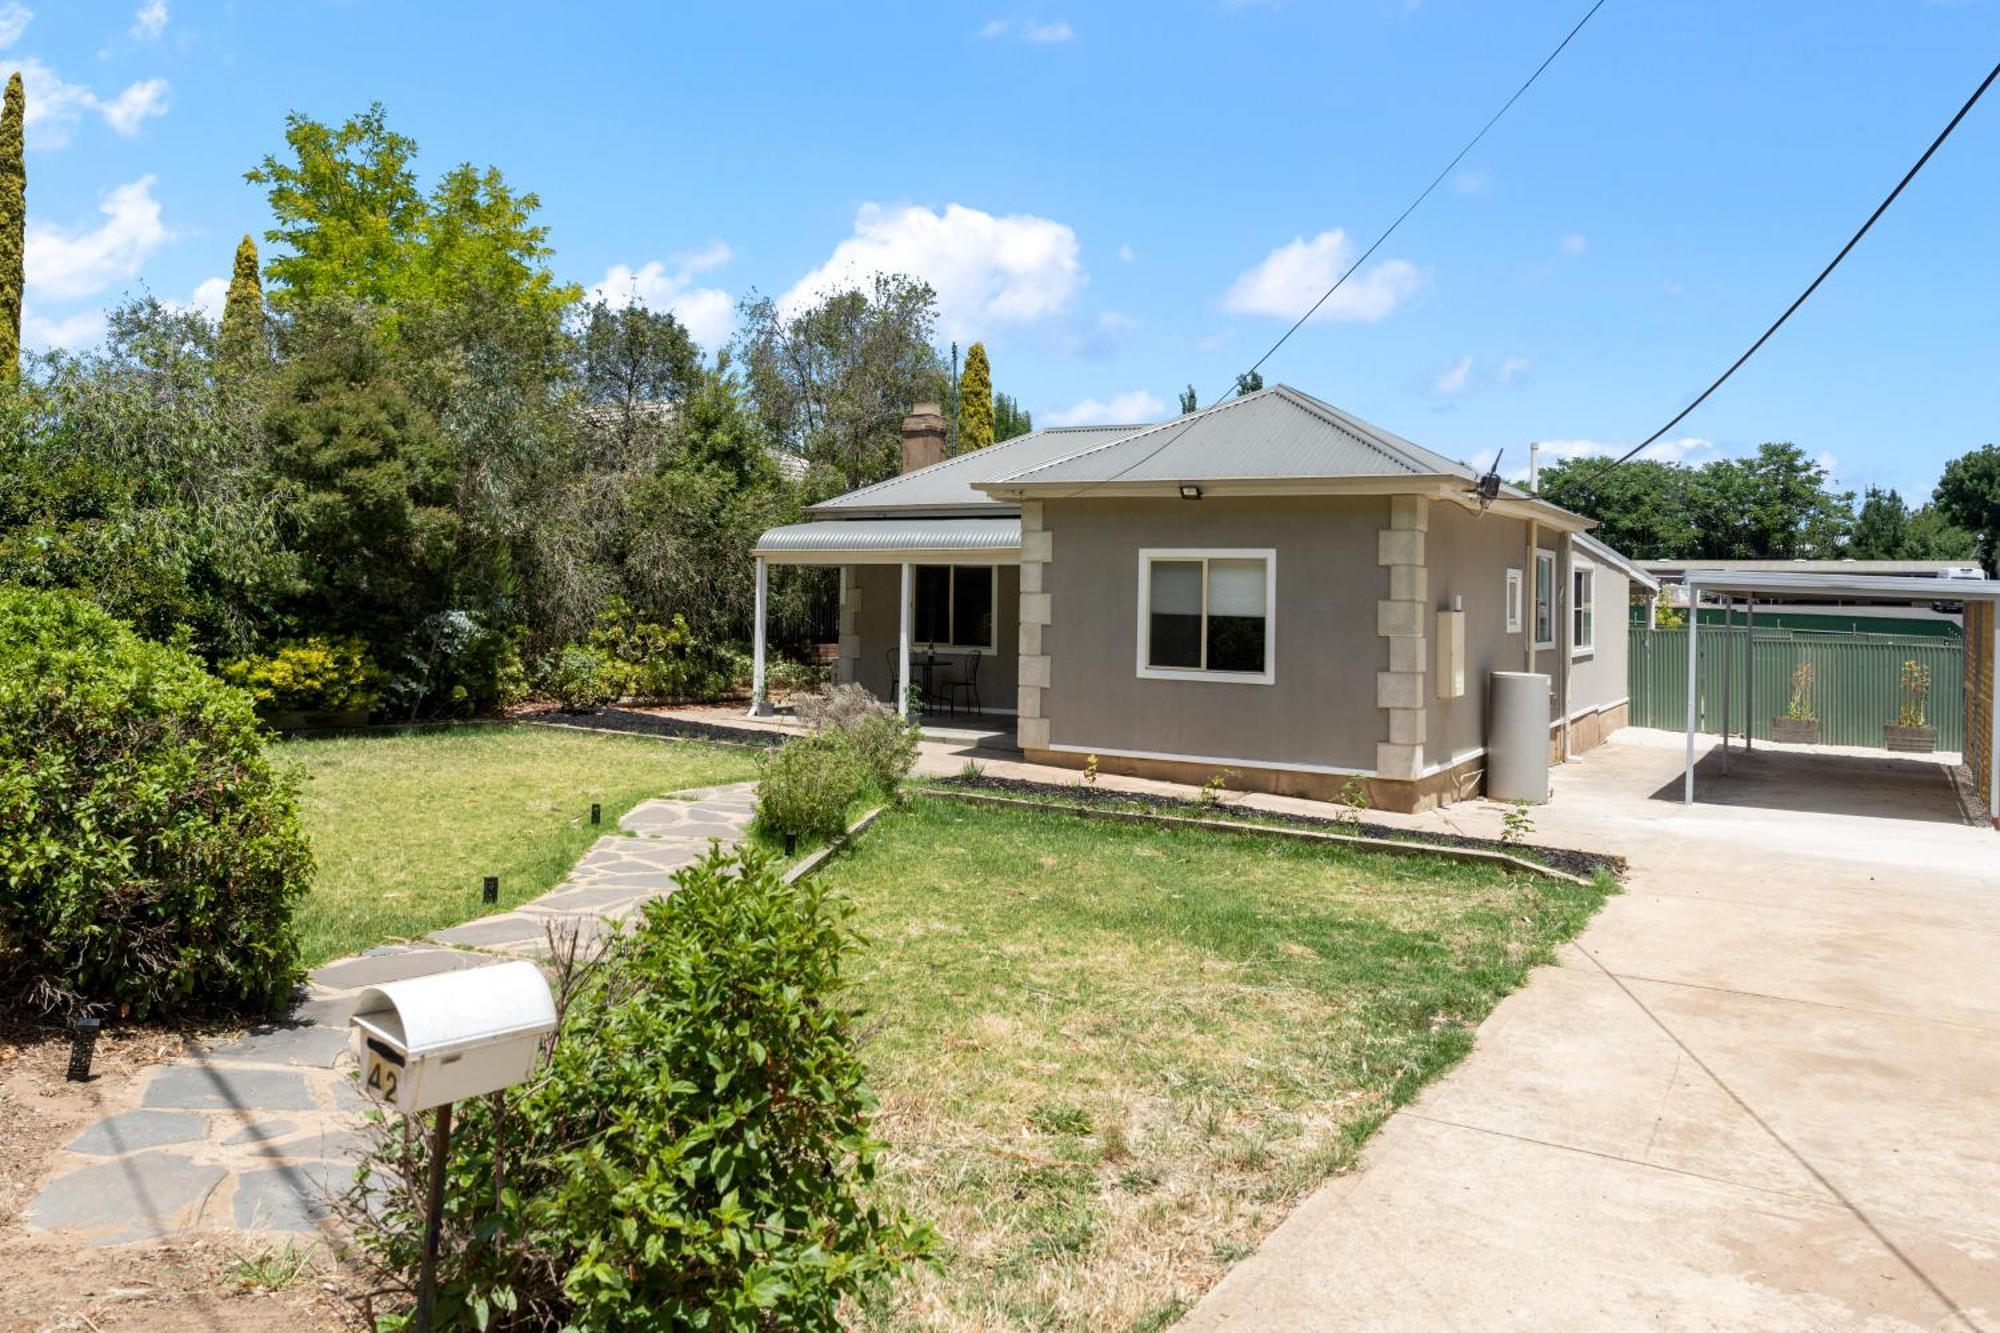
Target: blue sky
{"points": [[1121, 199]]}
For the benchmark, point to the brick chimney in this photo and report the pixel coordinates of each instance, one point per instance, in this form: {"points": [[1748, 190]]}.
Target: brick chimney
{"points": [[923, 436]]}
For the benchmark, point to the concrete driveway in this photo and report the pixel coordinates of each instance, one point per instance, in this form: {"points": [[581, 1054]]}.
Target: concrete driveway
{"points": [[1761, 1091]]}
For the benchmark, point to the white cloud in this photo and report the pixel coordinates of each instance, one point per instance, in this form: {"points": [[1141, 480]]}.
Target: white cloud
{"points": [[125, 112], [210, 296], [986, 270], [64, 263], [1292, 277], [1470, 182], [150, 20], [55, 105], [14, 18], [1451, 380], [70, 331], [1028, 30], [708, 312], [1690, 449], [1116, 322], [1125, 254], [1575, 243], [1513, 368], [1130, 407]]}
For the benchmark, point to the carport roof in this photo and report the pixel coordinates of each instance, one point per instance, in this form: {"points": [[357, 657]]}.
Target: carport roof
{"points": [[893, 540], [1844, 585]]}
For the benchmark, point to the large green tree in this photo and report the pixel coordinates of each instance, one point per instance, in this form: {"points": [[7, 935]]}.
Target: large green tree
{"points": [[635, 365], [833, 380], [243, 331], [1778, 505], [13, 225], [1968, 496], [1881, 528], [1010, 418], [975, 400]]}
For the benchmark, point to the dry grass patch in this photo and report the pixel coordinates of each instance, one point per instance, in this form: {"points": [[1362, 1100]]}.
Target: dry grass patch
{"points": [[1110, 1057]]}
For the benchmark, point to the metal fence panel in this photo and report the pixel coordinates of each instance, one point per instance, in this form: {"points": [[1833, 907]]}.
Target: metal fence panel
{"points": [[1856, 687]]}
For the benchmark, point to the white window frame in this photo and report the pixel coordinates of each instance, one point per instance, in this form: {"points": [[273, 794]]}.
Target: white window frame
{"points": [[951, 608], [1582, 598], [1269, 555], [1516, 598], [1545, 560]]}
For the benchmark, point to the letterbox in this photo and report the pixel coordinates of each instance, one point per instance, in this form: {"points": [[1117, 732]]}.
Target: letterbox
{"points": [[430, 1040]]}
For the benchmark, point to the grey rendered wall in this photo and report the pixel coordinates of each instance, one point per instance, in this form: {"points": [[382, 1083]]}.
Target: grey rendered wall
{"points": [[881, 589], [1599, 679], [1321, 708], [1469, 555]]}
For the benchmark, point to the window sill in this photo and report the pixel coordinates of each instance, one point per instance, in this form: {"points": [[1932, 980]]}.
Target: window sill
{"points": [[1582, 654], [1548, 647], [1211, 677]]}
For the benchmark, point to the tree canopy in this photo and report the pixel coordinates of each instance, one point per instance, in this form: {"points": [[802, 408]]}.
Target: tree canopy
{"points": [[975, 400]]}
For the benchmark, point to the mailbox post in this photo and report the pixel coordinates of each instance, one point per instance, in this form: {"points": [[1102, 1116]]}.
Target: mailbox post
{"points": [[430, 1041]]}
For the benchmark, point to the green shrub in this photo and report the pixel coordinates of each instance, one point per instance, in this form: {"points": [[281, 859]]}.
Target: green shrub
{"points": [[662, 663], [309, 676], [695, 1152], [582, 679], [784, 676], [807, 785], [885, 741], [150, 854]]}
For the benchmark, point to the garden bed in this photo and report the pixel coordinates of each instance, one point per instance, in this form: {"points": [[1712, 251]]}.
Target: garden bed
{"points": [[1569, 860], [638, 723]]}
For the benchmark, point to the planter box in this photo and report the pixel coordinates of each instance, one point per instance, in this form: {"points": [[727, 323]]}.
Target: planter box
{"points": [[317, 719], [1794, 732], [1909, 740]]}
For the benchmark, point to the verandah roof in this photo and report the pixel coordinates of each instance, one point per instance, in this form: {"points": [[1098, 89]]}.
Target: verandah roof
{"points": [[893, 540]]}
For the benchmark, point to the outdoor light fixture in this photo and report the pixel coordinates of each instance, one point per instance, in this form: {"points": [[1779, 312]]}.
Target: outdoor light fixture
{"points": [[596, 812], [82, 1042], [1190, 491], [489, 890]]}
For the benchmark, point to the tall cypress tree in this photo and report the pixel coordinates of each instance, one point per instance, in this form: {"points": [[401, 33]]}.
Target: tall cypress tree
{"points": [[243, 310], [13, 226], [975, 400]]}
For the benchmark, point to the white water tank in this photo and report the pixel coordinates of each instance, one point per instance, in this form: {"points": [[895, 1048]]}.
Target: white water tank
{"points": [[1517, 736]]}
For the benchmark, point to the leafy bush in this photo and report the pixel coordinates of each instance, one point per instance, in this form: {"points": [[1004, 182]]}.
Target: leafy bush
{"points": [[665, 663], [693, 1155], [582, 679], [150, 855], [311, 675], [784, 675], [806, 785], [886, 742]]}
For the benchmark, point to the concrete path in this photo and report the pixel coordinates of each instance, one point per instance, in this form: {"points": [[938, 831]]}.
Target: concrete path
{"points": [[1759, 1091], [259, 1133]]}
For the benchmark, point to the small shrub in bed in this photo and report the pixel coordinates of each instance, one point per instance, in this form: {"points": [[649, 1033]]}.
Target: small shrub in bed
{"points": [[581, 678], [696, 1152], [886, 742], [150, 854], [806, 785]]}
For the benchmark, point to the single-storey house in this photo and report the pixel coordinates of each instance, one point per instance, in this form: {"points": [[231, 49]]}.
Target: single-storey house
{"points": [[1271, 586]]}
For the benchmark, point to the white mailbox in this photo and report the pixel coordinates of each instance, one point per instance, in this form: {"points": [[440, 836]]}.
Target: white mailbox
{"points": [[431, 1040]]}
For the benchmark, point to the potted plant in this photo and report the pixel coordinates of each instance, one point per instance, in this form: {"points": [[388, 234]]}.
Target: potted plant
{"points": [[1911, 733], [1798, 725]]}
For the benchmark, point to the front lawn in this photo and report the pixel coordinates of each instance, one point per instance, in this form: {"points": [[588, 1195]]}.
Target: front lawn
{"points": [[1110, 1057], [405, 826]]}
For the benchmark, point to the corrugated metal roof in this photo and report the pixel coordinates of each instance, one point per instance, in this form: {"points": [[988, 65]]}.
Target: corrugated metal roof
{"points": [[949, 484], [1876, 586], [888, 535], [1910, 568], [1277, 433], [1610, 557]]}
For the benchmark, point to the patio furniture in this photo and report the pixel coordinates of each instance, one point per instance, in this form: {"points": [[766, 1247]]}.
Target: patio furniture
{"points": [[923, 670], [968, 686]]}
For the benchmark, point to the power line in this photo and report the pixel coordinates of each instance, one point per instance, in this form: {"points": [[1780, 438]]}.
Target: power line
{"points": [[1436, 180], [1389, 231], [1852, 241]]}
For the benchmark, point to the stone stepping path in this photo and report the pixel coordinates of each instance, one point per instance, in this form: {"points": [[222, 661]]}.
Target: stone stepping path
{"points": [[258, 1133]]}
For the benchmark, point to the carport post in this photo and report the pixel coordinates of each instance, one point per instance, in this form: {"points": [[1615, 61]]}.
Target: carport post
{"points": [[1694, 629], [903, 640], [759, 705], [1993, 708], [1728, 675], [1749, 671]]}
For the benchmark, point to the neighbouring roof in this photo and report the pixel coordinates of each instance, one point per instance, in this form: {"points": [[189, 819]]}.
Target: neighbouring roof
{"points": [[1274, 433], [1630, 568], [949, 485], [893, 538]]}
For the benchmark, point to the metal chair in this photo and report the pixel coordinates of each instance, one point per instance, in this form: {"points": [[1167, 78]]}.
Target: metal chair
{"points": [[970, 685]]}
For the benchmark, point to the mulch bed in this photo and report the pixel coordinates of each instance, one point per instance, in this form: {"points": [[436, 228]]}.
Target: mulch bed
{"points": [[1565, 859], [650, 724]]}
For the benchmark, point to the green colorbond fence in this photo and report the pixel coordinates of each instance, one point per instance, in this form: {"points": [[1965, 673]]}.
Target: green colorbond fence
{"points": [[1857, 681]]}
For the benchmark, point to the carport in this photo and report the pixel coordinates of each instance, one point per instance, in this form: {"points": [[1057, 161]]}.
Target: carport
{"points": [[1748, 587]]}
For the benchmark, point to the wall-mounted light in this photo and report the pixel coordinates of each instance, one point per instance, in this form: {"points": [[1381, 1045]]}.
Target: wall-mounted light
{"points": [[1189, 491]]}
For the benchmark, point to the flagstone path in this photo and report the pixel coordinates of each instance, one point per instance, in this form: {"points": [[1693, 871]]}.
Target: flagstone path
{"points": [[258, 1133]]}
